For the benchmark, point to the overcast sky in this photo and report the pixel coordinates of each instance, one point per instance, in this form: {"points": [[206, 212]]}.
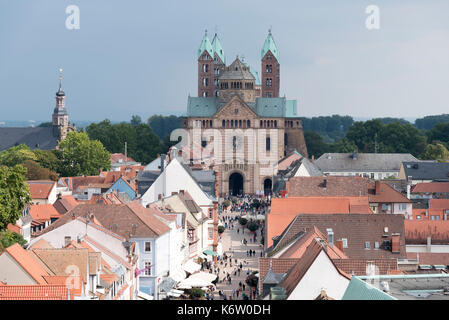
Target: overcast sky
{"points": [[139, 57]]}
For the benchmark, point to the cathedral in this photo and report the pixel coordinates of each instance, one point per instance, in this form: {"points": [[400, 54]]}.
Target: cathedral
{"points": [[44, 138], [239, 122]]}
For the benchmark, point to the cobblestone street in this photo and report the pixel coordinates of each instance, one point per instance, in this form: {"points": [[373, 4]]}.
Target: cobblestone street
{"points": [[232, 246]]}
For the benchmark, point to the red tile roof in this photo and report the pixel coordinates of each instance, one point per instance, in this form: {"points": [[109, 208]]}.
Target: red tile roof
{"points": [[284, 210], [336, 186], [298, 248], [416, 232], [14, 228], [116, 157], [287, 161], [430, 258], [431, 187], [34, 292], [421, 213], [29, 264], [300, 269], [75, 284], [380, 192], [278, 265], [359, 267], [439, 204], [43, 212], [41, 189]]}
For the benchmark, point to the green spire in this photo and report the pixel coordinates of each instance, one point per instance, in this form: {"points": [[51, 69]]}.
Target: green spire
{"points": [[205, 46], [218, 49], [269, 45]]}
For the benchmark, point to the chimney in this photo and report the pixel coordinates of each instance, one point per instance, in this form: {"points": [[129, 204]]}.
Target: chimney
{"points": [[339, 244], [325, 183], [330, 237], [179, 153], [159, 196], [181, 192], [395, 243], [354, 155], [429, 244], [313, 158], [73, 216], [377, 186]]}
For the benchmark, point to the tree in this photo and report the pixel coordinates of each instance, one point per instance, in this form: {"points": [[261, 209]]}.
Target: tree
{"points": [[243, 221], [163, 126], [8, 238], [36, 172], [436, 152], [344, 146], [439, 133], [252, 226], [14, 194], [81, 156], [429, 122], [136, 120], [221, 229], [47, 159], [226, 203], [315, 144], [16, 155]]}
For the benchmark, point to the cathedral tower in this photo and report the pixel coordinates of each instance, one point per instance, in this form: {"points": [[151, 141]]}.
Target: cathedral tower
{"points": [[206, 87], [60, 118], [270, 68]]}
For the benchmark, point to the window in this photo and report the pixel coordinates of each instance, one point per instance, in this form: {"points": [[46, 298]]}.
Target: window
{"points": [[269, 68], [376, 245], [147, 268], [205, 67], [269, 82], [384, 206], [67, 240], [267, 143], [372, 175], [435, 217], [345, 242], [269, 95], [211, 212], [147, 246], [203, 143], [418, 217], [204, 94], [211, 233], [402, 206], [205, 82], [367, 245]]}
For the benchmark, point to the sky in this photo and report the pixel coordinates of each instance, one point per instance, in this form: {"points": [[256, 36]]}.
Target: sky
{"points": [[140, 57]]}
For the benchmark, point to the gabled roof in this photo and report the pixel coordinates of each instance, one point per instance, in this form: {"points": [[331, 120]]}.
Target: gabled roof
{"points": [[120, 158], [416, 232], [359, 267], [125, 220], [300, 269], [39, 137], [424, 170], [356, 228], [34, 292], [439, 204], [380, 192], [431, 187], [269, 45], [377, 162], [335, 186], [41, 189], [43, 212], [65, 203], [237, 71], [27, 262]]}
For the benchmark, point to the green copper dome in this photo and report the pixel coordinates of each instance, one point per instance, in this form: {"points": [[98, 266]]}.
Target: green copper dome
{"points": [[206, 45], [269, 45], [218, 49]]}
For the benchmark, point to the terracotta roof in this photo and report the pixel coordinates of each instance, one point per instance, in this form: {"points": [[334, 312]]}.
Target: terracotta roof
{"points": [[83, 244], [109, 278], [43, 212], [299, 246], [41, 189], [41, 244], [358, 267], [34, 292], [14, 228], [430, 258], [356, 228], [65, 203], [300, 269], [380, 192], [284, 163], [330, 186], [430, 212], [284, 210], [416, 232], [57, 260], [125, 220], [75, 284], [431, 187], [439, 204], [116, 157], [27, 262]]}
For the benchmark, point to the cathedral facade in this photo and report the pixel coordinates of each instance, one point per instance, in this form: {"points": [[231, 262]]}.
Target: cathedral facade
{"points": [[238, 121]]}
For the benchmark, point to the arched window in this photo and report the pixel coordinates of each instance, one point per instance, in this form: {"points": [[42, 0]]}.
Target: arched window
{"points": [[267, 144], [232, 123], [227, 123], [261, 123], [249, 124], [223, 123], [240, 123], [275, 123], [210, 123]]}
